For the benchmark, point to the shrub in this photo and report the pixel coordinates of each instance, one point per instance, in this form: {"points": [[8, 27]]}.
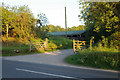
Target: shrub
{"points": [[52, 46], [107, 59]]}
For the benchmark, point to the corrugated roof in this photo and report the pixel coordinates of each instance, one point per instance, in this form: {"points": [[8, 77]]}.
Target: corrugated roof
{"points": [[62, 33]]}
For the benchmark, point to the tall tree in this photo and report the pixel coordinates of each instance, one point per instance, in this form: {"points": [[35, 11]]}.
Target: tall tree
{"points": [[42, 19], [102, 18], [42, 22], [19, 21]]}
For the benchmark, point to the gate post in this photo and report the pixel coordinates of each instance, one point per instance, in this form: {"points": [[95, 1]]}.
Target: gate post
{"points": [[74, 45], [77, 45], [46, 43], [30, 46]]}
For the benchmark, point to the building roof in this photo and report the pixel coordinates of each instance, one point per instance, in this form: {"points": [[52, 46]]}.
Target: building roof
{"points": [[62, 33]]}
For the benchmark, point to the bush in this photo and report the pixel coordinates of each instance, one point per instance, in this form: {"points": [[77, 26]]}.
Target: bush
{"points": [[95, 58], [52, 46]]}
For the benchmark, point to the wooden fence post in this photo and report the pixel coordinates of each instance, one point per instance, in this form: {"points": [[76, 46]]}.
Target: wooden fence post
{"points": [[46, 43], [30, 46], [74, 45], [78, 45]]}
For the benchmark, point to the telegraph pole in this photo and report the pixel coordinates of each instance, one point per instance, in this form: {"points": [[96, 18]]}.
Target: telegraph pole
{"points": [[65, 23]]}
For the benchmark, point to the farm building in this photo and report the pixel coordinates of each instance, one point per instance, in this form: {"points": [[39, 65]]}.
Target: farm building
{"points": [[77, 35]]}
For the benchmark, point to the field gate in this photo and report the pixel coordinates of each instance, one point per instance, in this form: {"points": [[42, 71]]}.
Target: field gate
{"points": [[78, 45], [43, 45]]}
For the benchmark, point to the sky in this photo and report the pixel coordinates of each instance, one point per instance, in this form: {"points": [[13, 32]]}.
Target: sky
{"points": [[53, 9]]}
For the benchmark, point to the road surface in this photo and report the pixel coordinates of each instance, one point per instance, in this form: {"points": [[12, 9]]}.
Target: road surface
{"points": [[50, 65], [17, 69]]}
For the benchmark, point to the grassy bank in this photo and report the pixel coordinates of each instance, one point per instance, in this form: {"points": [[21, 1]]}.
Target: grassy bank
{"points": [[60, 42], [98, 58], [21, 47], [14, 51]]}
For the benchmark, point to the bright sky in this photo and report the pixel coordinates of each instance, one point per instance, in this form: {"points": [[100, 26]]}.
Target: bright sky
{"points": [[54, 10]]}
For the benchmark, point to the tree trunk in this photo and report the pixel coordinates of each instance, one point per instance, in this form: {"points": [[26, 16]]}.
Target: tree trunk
{"points": [[7, 33]]}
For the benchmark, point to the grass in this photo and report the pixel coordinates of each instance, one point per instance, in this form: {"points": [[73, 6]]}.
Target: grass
{"points": [[54, 43], [61, 42], [96, 58], [11, 51]]}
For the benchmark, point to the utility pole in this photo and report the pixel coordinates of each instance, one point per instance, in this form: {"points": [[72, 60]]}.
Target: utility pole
{"points": [[65, 23]]}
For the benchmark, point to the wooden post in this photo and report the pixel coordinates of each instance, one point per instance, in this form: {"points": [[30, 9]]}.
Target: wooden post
{"points": [[84, 43], [73, 45], [46, 43], [77, 45], [30, 46]]}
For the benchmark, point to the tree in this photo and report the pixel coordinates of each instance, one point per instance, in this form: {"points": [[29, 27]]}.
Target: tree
{"points": [[7, 20], [53, 28], [101, 18], [41, 24], [74, 28], [42, 19], [20, 21]]}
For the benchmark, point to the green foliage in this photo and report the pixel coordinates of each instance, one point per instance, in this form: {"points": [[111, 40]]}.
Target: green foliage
{"points": [[41, 28], [91, 42], [99, 56], [115, 40], [100, 45], [20, 21], [42, 19], [105, 41], [75, 28], [107, 59], [101, 19], [53, 28], [52, 46], [14, 45], [22, 45], [61, 42], [12, 51], [24, 28]]}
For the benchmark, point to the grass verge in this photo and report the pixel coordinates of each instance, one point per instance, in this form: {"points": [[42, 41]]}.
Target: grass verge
{"points": [[96, 59]]}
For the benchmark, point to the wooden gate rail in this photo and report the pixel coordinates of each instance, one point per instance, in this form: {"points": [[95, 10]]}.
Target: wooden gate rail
{"points": [[78, 45], [38, 45]]}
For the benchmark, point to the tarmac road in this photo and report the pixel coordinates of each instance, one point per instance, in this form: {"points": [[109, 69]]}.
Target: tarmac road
{"points": [[17, 69], [51, 65]]}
